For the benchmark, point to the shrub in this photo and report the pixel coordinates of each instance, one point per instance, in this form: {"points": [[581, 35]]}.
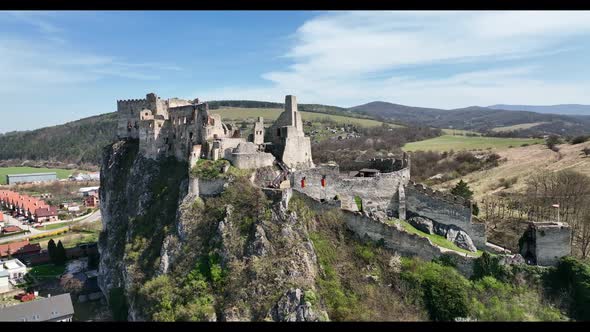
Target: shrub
{"points": [[507, 183], [475, 209], [579, 139], [586, 151], [118, 304], [573, 276], [552, 141], [443, 290], [209, 169], [359, 203], [488, 265], [365, 252]]}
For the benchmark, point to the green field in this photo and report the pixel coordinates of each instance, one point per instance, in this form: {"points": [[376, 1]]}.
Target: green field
{"points": [[518, 126], [457, 143], [54, 226], [459, 132], [271, 114], [61, 173]]}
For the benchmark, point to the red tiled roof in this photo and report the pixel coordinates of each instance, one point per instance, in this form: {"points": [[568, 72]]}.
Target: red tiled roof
{"points": [[11, 229], [30, 204], [1, 217], [19, 247]]}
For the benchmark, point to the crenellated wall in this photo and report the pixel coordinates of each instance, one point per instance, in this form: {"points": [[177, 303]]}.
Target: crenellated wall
{"points": [[444, 208]]}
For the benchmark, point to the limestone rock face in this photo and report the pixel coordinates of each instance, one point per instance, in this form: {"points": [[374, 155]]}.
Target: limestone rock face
{"points": [[423, 224], [292, 307], [127, 199], [153, 226], [460, 238], [450, 232]]}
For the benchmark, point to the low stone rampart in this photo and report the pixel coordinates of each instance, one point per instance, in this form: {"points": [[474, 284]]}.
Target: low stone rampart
{"points": [[394, 238]]}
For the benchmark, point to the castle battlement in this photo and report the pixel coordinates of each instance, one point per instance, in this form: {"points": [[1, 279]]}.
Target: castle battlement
{"points": [[131, 101], [445, 196]]}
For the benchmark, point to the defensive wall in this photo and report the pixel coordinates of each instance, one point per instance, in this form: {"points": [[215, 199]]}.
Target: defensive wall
{"points": [[444, 208], [375, 192], [394, 238]]}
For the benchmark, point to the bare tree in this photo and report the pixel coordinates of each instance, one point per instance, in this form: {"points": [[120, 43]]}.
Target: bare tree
{"points": [[583, 236]]}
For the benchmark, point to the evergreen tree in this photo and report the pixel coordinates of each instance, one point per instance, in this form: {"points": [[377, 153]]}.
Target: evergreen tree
{"points": [[462, 189], [51, 250], [60, 254], [474, 209]]}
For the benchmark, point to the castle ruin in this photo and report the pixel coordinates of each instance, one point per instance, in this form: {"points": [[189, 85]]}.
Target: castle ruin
{"points": [[381, 189], [187, 131]]}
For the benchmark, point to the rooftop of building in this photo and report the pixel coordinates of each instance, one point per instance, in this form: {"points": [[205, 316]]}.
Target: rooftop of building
{"points": [[43, 309], [31, 174], [11, 264], [549, 224]]}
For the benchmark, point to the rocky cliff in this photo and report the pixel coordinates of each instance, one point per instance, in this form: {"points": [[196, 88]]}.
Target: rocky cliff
{"points": [[168, 255]]}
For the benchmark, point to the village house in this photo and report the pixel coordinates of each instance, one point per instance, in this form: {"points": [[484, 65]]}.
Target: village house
{"points": [[19, 249], [88, 191], [29, 207], [51, 309], [16, 270], [91, 201]]}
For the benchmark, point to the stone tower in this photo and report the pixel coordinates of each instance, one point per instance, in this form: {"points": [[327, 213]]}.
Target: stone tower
{"points": [[259, 131], [289, 142]]}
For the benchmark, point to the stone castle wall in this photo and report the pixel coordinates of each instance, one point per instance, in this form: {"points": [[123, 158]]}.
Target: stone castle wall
{"points": [[445, 209], [394, 238], [375, 192]]}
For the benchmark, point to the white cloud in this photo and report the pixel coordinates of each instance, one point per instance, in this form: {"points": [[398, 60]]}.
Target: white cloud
{"points": [[48, 59], [343, 59]]}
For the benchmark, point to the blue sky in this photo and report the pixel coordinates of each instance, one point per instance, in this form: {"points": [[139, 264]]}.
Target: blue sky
{"points": [[62, 66]]}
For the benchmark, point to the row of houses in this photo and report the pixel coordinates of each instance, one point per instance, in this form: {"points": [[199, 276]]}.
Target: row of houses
{"points": [[29, 207]]}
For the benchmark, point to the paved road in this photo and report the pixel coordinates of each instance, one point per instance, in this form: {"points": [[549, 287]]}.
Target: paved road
{"points": [[93, 217]]}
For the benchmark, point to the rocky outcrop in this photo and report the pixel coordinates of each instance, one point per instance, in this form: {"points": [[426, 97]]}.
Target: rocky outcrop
{"points": [[293, 307], [153, 226], [139, 199], [450, 232]]}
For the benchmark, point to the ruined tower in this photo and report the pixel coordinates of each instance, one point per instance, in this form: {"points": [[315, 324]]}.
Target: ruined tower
{"points": [[288, 140], [258, 135]]}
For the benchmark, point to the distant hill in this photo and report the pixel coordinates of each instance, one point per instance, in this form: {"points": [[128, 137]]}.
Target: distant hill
{"points": [[569, 109], [477, 118], [80, 142], [76, 142]]}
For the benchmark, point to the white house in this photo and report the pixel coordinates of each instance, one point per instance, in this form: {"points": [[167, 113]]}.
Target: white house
{"points": [[4, 283], [15, 269]]}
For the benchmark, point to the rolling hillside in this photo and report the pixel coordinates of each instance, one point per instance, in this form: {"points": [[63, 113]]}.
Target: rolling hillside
{"points": [[478, 118], [521, 162], [570, 109], [76, 142]]}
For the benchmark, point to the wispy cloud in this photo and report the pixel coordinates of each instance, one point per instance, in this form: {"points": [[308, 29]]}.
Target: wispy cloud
{"points": [[48, 58], [348, 58]]}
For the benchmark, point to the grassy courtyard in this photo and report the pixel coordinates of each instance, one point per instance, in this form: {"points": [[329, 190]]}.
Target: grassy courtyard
{"points": [[458, 143], [47, 271]]}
